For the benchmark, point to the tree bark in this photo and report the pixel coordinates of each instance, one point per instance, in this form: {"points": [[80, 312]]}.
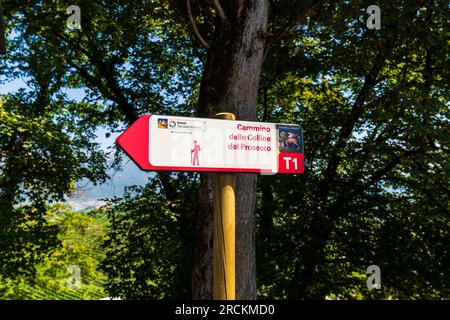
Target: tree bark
{"points": [[230, 84]]}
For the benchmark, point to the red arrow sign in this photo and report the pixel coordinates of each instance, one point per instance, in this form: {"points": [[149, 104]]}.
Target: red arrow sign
{"points": [[156, 142]]}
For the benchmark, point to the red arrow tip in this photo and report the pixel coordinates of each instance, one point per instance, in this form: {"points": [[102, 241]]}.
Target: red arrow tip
{"points": [[134, 141]]}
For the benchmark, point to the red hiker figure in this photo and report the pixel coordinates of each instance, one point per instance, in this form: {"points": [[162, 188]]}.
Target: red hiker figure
{"points": [[195, 152]]}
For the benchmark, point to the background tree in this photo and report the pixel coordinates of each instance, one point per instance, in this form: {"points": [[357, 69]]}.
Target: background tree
{"points": [[148, 248], [44, 148], [373, 105], [375, 114]]}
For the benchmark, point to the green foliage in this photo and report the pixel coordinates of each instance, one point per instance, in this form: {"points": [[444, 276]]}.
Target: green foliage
{"points": [[43, 151], [80, 236], [373, 105], [25, 241], [127, 55], [148, 244], [375, 113], [47, 147]]}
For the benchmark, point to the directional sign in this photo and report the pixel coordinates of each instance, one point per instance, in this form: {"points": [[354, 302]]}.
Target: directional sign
{"points": [[157, 142]]}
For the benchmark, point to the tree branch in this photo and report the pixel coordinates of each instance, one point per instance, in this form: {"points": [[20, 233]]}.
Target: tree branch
{"points": [[424, 170], [194, 26], [377, 175], [219, 10], [419, 188], [118, 96], [115, 93], [300, 13], [358, 108], [92, 82]]}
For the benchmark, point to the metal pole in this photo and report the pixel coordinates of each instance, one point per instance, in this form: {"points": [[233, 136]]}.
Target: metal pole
{"points": [[224, 232]]}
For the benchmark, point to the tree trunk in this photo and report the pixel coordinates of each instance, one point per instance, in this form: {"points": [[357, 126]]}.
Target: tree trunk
{"points": [[230, 84]]}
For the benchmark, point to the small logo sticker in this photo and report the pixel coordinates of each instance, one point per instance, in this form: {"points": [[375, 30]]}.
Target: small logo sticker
{"points": [[162, 123], [173, 124]]}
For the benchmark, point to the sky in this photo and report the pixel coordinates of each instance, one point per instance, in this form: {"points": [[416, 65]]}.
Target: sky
{"points": [[87, 195]]}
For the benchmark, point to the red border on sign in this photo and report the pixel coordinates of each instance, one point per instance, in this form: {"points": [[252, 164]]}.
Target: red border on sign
{"points": [[209, 169]]}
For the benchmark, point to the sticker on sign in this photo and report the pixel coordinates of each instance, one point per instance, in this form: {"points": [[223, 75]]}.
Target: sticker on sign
{"points": [[158, 142]]}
